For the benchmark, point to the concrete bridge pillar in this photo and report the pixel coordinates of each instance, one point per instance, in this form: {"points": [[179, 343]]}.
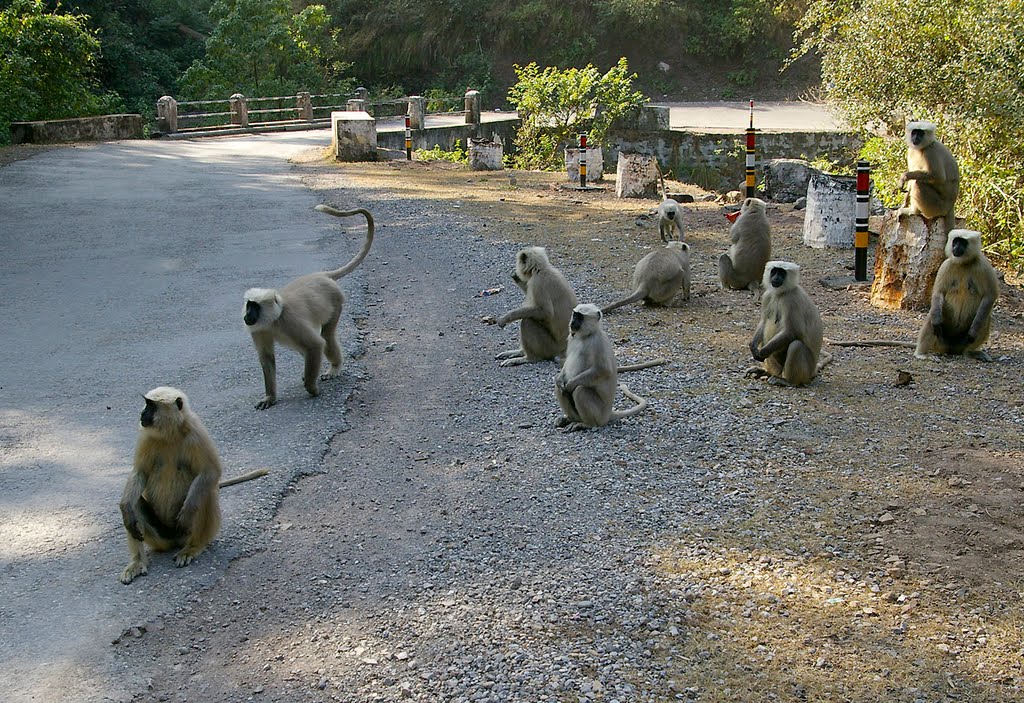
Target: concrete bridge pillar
{"points": [[304, 104], [417, 111], [239, 110], [167, 115], [473, 107]]}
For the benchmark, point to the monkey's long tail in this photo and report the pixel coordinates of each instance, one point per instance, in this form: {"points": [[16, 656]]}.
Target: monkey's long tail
{"points": [[824, 359], [634, 298], [872, 343], [664, 193], [358, 258], [640, 406], [643, 365], [244, 477]]}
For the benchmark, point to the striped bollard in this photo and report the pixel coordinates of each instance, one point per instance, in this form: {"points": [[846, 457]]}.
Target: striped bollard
{"points": [[408, 138], [583, 160], [860, 238], [751, 185]]}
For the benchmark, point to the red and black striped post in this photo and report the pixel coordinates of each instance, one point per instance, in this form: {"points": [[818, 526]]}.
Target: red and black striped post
{"points": [[583, 160], [408, 138], [860, 238], [751, 185]]}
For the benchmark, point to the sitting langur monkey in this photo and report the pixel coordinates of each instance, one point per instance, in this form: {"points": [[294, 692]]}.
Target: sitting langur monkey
{"points": [[788, 338], [670, 214], [659, 276], [304, 316], [585, 387], [170, 499], [965, 290], [545, 313], [751, 236], [932, 179]]}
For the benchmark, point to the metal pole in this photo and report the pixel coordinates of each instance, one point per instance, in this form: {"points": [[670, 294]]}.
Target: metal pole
{"points": [[583, 160], [860, 239], [751, 187], [408, 138]]}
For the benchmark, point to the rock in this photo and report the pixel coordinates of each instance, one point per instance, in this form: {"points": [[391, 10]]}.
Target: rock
{"points": [[733, 197], [907, 258], [785, 180], [681, 197], [800, 203], [886, 518], [636, 176]]}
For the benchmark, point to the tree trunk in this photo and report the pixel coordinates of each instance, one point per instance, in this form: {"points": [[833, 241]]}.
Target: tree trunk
{"points": [[907, 257], [636, 176]]}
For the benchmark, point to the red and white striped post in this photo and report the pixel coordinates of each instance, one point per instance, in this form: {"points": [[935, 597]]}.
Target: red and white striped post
{"points": [[751, 186], [583, 160], [408, 138], [860, 237]]}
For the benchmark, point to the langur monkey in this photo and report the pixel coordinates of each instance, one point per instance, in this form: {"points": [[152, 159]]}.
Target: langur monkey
{"points": [[932, 179], [788, 338], [545, 313], [659, 276], [751, 236], [965, 290], [670, 214], [585, 387], [304, 316], [170, 499]]}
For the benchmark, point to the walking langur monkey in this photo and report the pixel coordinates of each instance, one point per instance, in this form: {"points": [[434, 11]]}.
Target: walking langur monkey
{"points": [[304, 316], [965, 290], [751, 236], [585, 387], [670, 214], [170, 499], [932, 179], [545, 313], [788, 338], [659, 276]]}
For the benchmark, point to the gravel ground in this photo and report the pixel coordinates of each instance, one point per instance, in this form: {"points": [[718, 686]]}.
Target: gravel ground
{"points": [[853, 540]]}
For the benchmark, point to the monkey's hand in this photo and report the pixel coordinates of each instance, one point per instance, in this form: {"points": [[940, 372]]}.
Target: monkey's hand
{"points": [[501, 321], [756, 352], [903, 181]]}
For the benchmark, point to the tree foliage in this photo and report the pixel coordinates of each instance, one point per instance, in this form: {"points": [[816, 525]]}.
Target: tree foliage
{"points": [[47, 65], [555, 105], [261, 48], [960, 65]]}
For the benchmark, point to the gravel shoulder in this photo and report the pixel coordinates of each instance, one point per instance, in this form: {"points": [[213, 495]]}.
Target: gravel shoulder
{"points": [[854, 540]]}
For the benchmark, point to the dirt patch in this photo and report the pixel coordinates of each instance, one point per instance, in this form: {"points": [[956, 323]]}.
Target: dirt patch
{"points": [[18, 152]]}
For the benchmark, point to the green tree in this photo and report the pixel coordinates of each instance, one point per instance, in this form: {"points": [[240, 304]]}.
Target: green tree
{"points": [[960, 65], [555, 105], [47, 65], [260, 48]]}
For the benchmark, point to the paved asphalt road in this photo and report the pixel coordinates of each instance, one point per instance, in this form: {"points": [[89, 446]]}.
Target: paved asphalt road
{"points": [[122, 268]]}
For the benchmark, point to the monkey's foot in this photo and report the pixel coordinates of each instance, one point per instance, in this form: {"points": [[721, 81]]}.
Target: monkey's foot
{"points": [[313, 390], [265, 403], [186, 556], [922, 357], [778, 381], [332, 372], [575, 427], [136, 568], [757, 372], [515, 361], [512, 353], [563, 421], [980, 355]]}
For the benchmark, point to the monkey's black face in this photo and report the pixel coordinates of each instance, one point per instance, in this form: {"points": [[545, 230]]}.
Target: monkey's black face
{"points": [[917, 136], [148, 413], [252, 312], [777, 277], [576, 322], [671, 214], [959, 246]]}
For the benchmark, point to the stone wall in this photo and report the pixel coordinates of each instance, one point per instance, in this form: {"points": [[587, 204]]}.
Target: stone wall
{"points": [[102, 128], [446, 137]]}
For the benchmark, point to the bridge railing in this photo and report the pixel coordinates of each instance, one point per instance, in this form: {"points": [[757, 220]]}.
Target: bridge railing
{"points": [[296, 111]]}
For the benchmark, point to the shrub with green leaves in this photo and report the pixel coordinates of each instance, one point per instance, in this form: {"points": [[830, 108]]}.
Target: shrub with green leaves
{"points": [[960, 65], [555, 105]]}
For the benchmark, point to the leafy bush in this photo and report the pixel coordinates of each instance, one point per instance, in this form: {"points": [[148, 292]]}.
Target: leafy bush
{"points": [[458, 155], [555, 105], [47, 66], [960, 65]]}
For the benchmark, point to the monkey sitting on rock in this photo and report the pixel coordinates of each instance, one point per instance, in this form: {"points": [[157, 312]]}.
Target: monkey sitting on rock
{"points": [[932, 179], [171, 497]]}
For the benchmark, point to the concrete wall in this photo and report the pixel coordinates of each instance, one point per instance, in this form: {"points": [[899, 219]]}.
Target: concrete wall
{"points": [[102, 128], [446, 137], [717, 161]]}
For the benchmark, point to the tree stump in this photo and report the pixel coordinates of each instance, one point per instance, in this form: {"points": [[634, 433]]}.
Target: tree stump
{"points": [[907, 257], [595, 164], [831, 216], [485, 155], [636, 176]]}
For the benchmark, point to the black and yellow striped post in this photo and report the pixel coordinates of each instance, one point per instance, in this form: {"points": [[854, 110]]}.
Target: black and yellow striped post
{"points": [[583, 160], [408, 138], [860, 238], [751, 183]]}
